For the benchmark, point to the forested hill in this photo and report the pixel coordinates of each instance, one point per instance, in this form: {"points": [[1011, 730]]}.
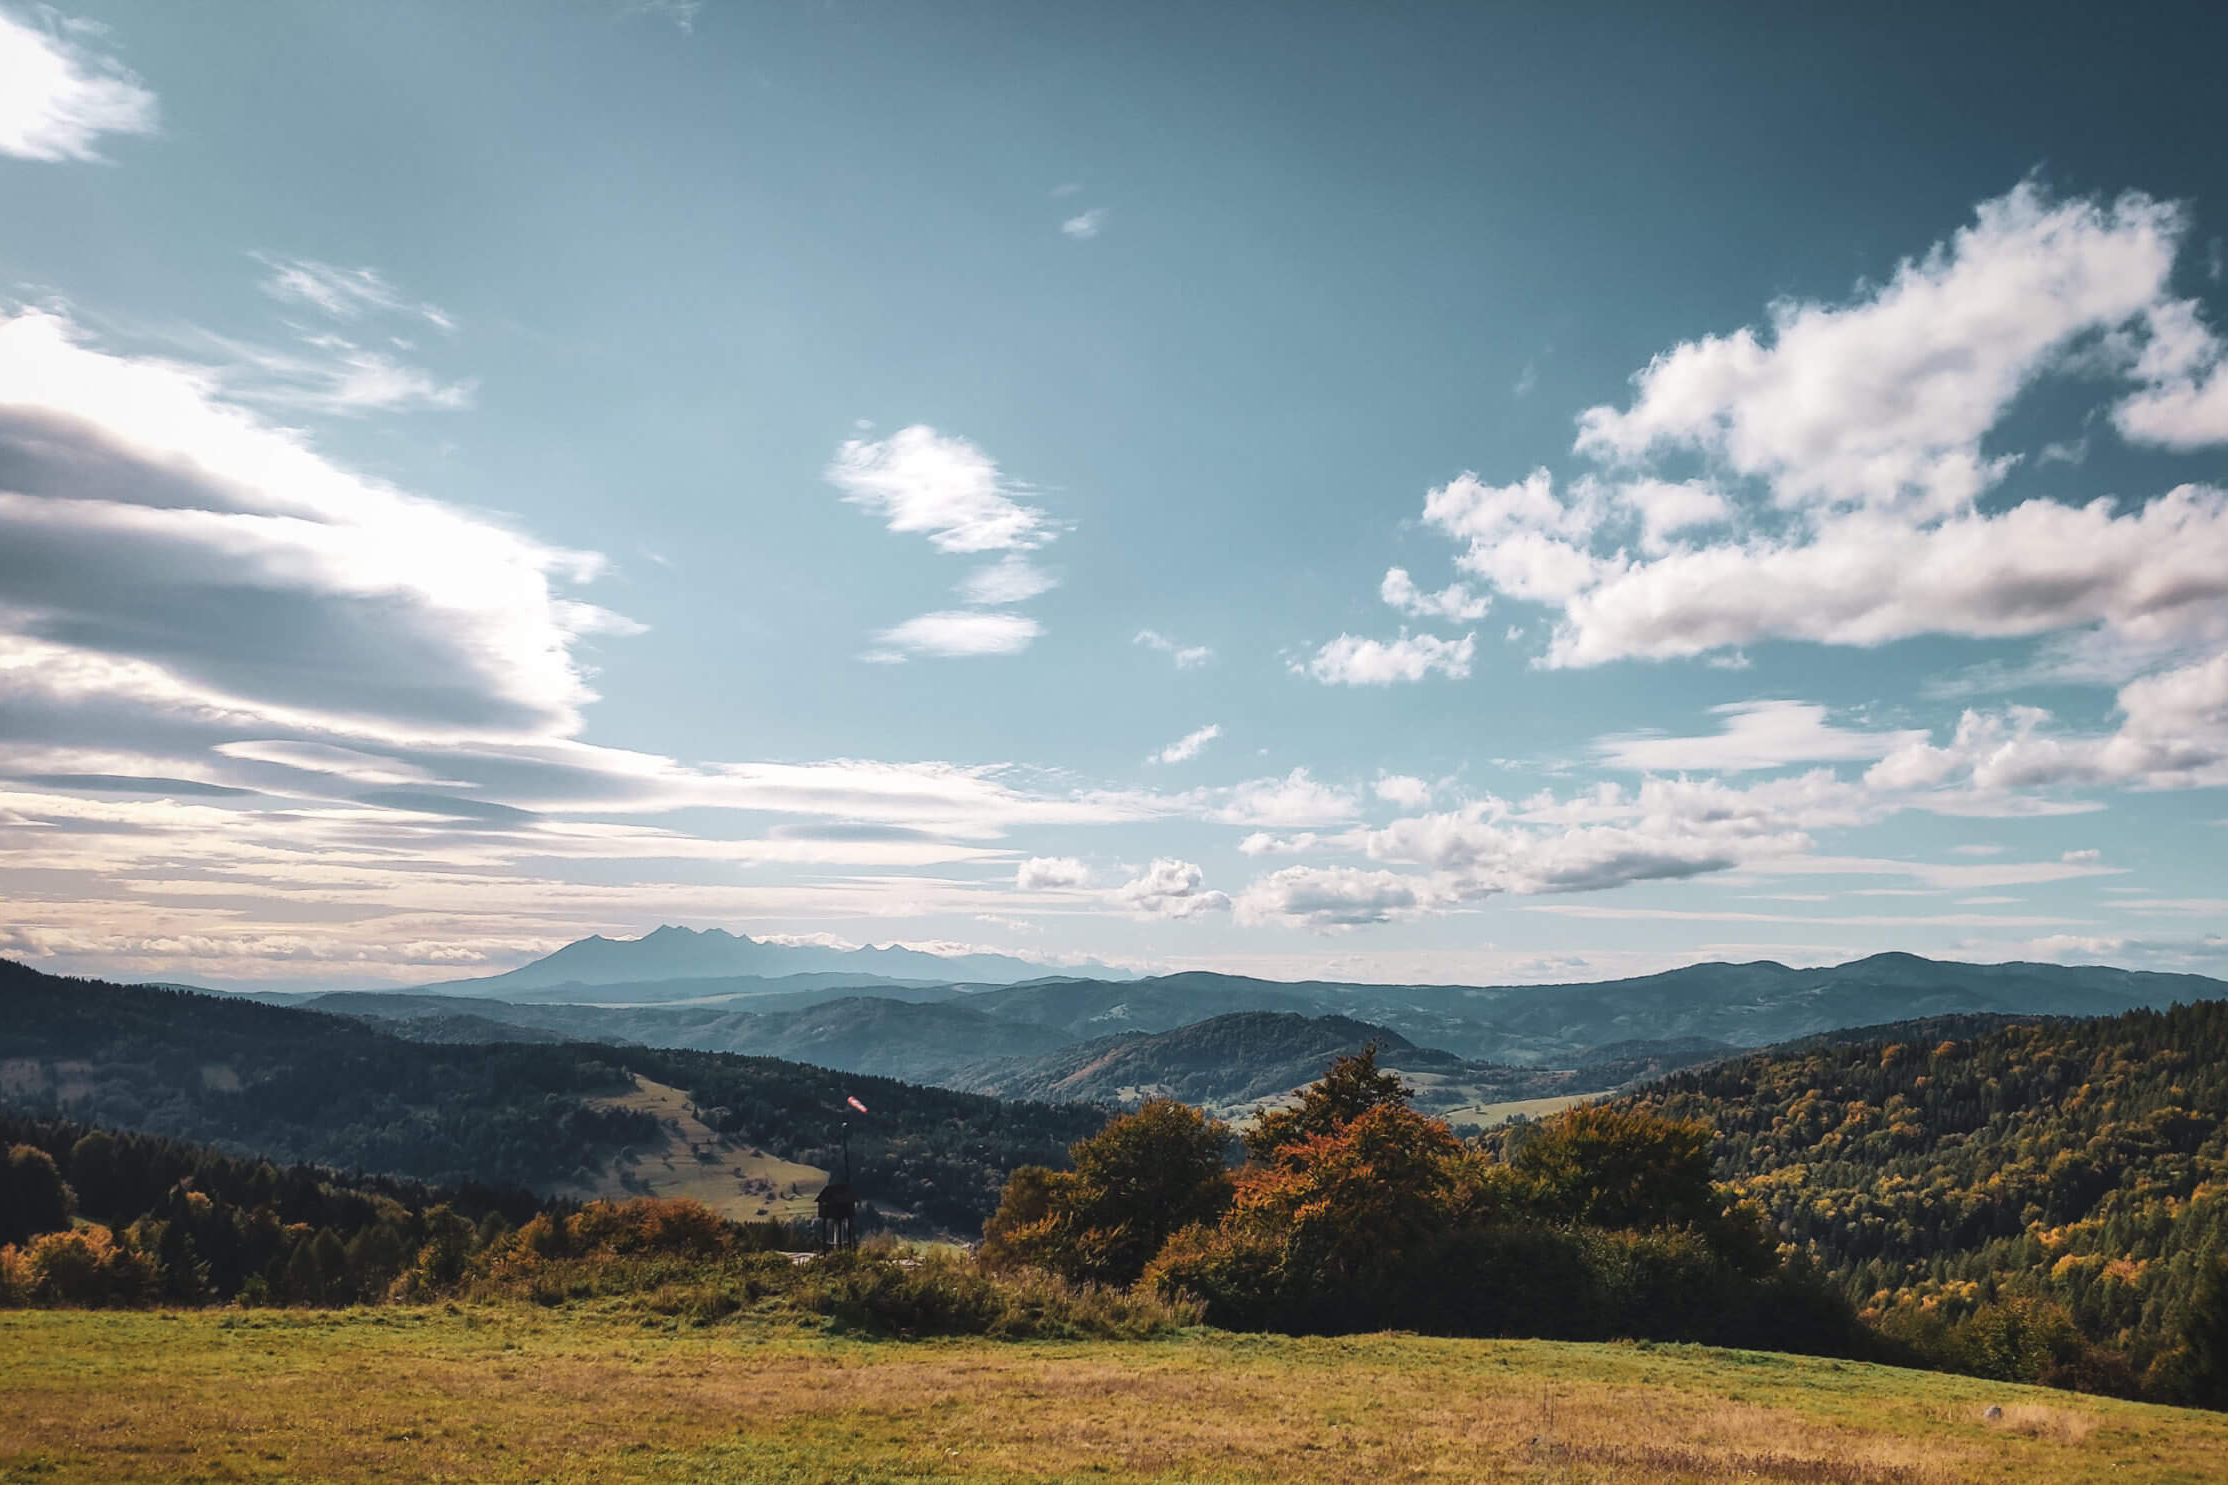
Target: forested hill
{"points": [[1988, 1191], [301, 1086]]}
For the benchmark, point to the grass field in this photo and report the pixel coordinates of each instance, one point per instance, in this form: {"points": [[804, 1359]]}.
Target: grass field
{"points": [[689, 1159], [512, 1393], [1489, 1114]]}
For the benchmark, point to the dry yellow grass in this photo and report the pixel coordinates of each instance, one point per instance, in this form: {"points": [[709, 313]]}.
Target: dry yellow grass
{"points": [[735, 1180], [510, 1393]]}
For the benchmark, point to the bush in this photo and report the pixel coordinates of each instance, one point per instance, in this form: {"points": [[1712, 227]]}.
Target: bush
{"points": [[85, 1266]]}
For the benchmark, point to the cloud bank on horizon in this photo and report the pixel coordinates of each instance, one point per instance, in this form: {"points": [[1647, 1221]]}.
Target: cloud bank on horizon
{"points": [[1889, 617]]}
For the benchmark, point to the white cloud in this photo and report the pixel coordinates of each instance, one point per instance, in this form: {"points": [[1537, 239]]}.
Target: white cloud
{"points": [[2173, 734], [1333, 897], [1170, 889], [943, 487], [1041, 872], [1350, 660], [960, 632], [1189, 746], [343, 293], [1864, 421], [1011, 579], [2154, 573], [180, 545], [1295, 799], [1455, 603], [1187, 657], [58, 97], [335, 375], [1883, 401], [1757, 734], [1665, 508], [2184, 404], [1086, 225], [1261, 843], [1408, 792]]}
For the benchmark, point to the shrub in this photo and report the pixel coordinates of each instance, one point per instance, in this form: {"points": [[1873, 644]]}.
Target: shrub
{"points": [[88, 1266]]}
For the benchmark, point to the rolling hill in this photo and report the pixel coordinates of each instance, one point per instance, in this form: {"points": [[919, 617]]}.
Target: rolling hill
{"points": [[1990, 1188], [1233, 1065], [304, 1086]]}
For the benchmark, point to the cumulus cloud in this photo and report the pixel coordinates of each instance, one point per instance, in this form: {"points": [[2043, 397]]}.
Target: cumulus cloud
{"points": [[58, 96], [1086, 225], [940, 486], [959, 632], [1331, 897], [1295, 799], [1863, 423], [1350, 660], [1041, 872], [1187, 657], [1402, 789], [1884, 401], [1262, 843], [1756, 734], [1454, 603], [1189, 746], [1170, 889], [2184, 365]]}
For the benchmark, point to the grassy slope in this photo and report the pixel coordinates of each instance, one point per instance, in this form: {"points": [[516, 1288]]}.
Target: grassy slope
{"points": [[742, 1182], [511, 1393]]}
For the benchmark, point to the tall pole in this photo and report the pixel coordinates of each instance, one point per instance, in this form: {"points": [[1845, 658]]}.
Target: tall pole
{"points": [[847, 1152]]}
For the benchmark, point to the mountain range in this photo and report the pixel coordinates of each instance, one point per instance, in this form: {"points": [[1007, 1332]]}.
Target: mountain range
{"points": [[1228, 1041], [673, 953]]}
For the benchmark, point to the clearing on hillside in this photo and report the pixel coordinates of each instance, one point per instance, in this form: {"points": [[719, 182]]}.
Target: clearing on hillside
{"points": [[690, 1159]]}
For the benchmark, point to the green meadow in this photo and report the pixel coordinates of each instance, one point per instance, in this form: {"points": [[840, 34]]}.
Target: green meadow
{"points": [[512, 1391]]}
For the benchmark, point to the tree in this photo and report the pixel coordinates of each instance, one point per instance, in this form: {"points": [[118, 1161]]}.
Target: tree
{"points": [[1604, 1166], [33, 1196], [1351, 1088], [1137, 1182], [2205, 1332]]}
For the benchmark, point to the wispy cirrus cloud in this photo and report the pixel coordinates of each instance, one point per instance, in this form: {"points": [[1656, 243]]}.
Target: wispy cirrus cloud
{"points": [[1186, 657], [1189, 746], [1756, 734], [1085, 225], [343, 293]]}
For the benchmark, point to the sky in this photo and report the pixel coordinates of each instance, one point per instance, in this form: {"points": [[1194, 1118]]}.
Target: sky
{"points": [[1473, 493]]}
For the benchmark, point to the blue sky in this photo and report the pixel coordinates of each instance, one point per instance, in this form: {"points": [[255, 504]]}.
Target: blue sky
{"points": [[1463, 493]]}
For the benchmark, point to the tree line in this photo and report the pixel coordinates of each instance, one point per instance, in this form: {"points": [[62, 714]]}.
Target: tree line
{"points": [[2042, 1202]]}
